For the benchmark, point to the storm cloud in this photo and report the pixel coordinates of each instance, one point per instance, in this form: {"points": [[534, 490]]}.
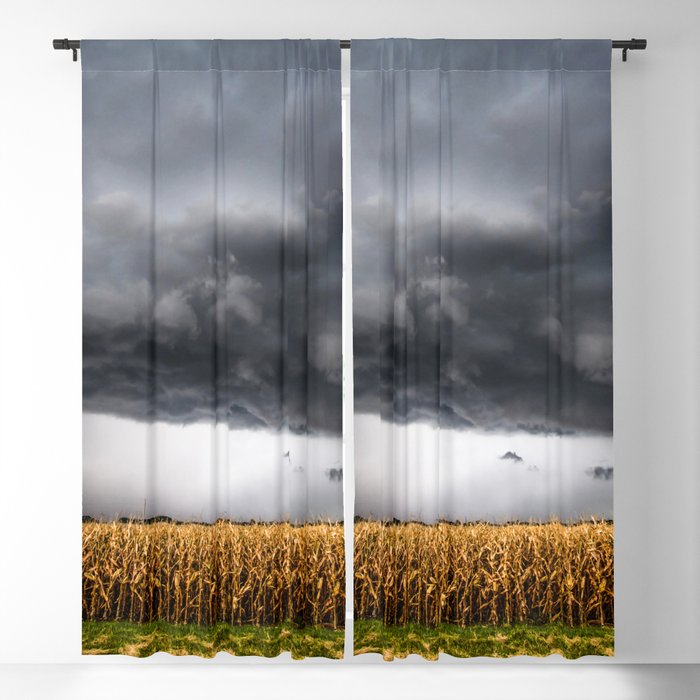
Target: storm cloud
{"points": [[212, 244], [603, 473], [482, 243]]}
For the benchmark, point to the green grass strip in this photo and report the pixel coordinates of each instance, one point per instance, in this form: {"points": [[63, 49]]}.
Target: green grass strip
{"points": [[136, 639], [481, 640]]}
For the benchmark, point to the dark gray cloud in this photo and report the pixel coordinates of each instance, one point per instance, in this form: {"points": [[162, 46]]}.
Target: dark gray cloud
{"points": [[212, 284], [335, 474], [246, 332], [494, 336], [482, 252], [601, 473]]}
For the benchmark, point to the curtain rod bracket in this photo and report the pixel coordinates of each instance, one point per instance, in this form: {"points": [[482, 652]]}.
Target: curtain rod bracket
{"points": [[67, 45], [624, 52]]}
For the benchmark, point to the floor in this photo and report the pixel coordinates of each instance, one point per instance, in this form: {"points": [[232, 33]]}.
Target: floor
{"points": [[309, 681]]}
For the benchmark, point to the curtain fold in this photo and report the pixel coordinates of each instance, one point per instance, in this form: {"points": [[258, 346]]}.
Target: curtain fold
{"points": [[482, 296], [212, 351]]}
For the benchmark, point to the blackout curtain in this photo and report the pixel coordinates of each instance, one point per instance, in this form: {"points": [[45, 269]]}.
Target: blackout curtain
{"points": [[482, 298], [212, 348]]}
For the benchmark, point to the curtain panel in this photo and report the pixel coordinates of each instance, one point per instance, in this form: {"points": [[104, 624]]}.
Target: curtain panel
{"points": [[482, 296], [212, 492]]}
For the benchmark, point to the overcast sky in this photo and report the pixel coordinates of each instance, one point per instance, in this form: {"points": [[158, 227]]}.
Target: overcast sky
{"points": [[482, 260], [481, 264], [201, 472], [212, 267]]}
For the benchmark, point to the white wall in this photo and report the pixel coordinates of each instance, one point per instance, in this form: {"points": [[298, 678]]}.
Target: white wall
{"points": [[656, 179]]}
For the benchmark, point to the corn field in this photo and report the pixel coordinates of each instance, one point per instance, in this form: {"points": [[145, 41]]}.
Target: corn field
{"points": [[225, 572], [493, 574]]}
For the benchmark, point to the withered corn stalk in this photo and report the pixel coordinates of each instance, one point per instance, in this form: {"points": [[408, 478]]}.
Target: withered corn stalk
{"points": [[481, 573], [225, 572]]}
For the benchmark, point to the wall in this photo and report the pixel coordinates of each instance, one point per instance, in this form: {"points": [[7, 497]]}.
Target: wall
{"points": [[655, 184]]}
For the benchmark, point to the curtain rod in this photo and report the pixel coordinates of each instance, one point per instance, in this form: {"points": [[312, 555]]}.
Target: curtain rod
{"points": [[625, 44]]}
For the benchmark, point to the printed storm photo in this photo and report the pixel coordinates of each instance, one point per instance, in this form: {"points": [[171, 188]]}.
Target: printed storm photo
{"points": [[482, 272], [212, 415]]}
